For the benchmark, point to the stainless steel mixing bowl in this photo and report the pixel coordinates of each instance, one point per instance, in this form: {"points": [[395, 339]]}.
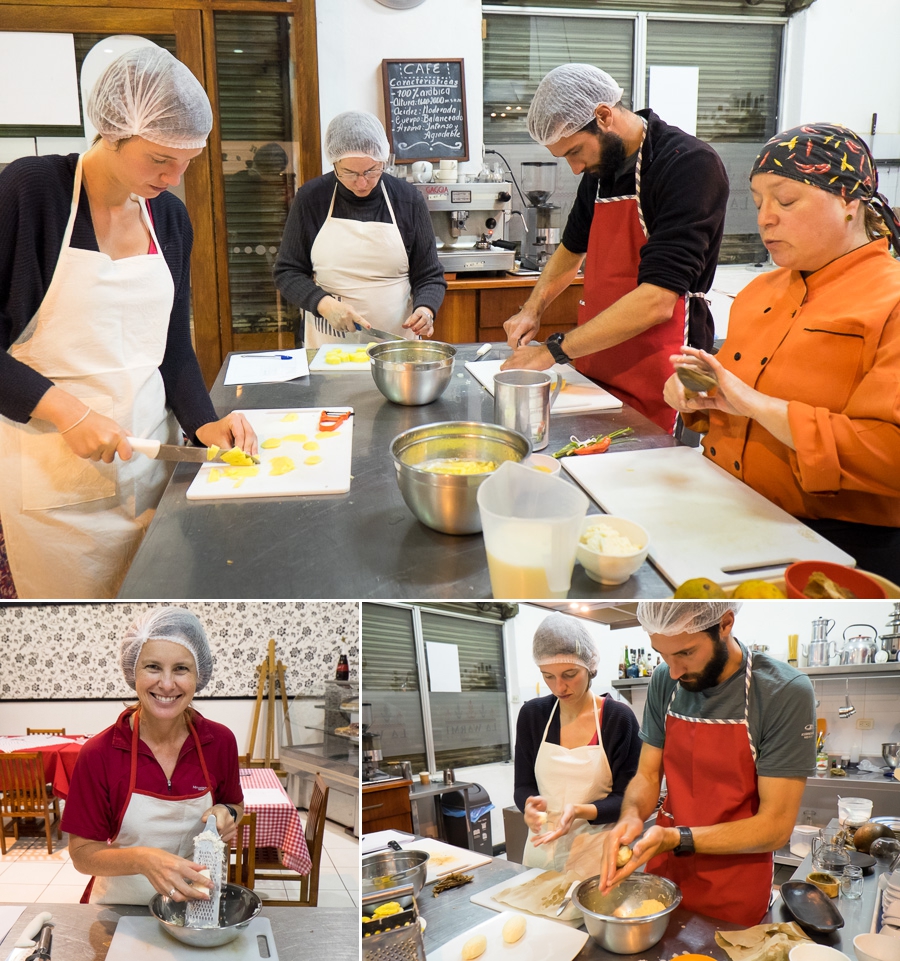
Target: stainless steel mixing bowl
{"points": [[890, 751], [394, 869], [447, 502], [411, 372], [626, 935], [237, 908]]}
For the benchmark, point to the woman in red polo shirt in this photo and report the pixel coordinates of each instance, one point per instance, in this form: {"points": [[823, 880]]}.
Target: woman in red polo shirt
{"points": [[142, 789]]}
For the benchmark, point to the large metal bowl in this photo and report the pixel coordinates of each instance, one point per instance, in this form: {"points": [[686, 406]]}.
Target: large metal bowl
{"points": [[411, 372], [626, 935], [237, 908], [890, 751], [447, 502], [394, 869]]}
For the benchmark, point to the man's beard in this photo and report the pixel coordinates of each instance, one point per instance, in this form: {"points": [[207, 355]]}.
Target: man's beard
{"points": [[709, 676], [612, 156]]}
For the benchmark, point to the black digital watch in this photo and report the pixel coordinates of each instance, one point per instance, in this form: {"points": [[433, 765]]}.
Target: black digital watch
{"points": [[555, 346], [686, 844]]}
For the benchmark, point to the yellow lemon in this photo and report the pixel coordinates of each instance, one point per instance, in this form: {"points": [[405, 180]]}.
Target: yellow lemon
{"points": [[699, 588], [757, 589], [271, 443]]}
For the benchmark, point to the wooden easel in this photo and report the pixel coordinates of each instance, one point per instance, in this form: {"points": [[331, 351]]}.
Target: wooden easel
{"points": [[271, 675]]}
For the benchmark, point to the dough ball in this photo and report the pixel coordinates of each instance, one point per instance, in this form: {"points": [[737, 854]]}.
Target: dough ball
{"points": [[541, 817], [474, 947], [514, 929], [623, 856]]}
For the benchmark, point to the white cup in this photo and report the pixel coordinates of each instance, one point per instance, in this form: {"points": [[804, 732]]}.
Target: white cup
{"points": [[447, 165], [422, 171]]}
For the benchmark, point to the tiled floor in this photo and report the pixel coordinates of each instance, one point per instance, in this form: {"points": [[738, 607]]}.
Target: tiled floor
{"points": [[28, 874]]}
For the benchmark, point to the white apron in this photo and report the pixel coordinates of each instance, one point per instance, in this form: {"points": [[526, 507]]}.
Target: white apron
{"points": [[156, 821], [578, 775], [73, 525], [365, 265]]}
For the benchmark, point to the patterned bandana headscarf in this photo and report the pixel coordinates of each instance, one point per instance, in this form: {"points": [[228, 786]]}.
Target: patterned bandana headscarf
{"points": [[833, 158]]}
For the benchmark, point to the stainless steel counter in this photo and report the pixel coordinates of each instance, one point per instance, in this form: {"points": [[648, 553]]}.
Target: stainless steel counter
{"points": [[83, 932], [364, 544]]}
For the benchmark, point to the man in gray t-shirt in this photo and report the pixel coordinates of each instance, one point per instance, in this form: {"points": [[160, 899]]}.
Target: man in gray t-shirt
{"points": [[734, 735]]}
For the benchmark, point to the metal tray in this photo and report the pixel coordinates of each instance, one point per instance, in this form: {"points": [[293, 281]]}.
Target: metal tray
{"points": [[812, 909]]}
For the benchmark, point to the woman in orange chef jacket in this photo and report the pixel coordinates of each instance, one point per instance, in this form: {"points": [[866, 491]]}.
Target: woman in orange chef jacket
{"points": [[143, 788], [95, 339], [807, 411]]}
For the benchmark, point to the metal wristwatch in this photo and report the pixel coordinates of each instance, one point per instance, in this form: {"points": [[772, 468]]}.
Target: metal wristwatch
{"points": [[686, 844], [555, 346]]}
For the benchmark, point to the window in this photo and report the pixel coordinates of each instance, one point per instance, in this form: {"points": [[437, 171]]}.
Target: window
{"points": [[435, 729]]}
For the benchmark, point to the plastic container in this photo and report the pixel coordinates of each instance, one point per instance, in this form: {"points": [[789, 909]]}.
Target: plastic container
{"points": [[801, 838], [854, 810]]}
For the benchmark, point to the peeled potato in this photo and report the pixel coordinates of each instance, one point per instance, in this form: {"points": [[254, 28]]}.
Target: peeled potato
{"points": [[541, 818], [623, 856], [514, 929], [474, 947]]}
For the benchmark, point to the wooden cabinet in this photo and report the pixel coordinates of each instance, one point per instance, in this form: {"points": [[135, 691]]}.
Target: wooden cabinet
{"points": [[475, 309], [386, 805]]}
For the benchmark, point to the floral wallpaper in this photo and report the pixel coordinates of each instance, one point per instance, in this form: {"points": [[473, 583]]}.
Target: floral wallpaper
{"points": [[64, 651]]}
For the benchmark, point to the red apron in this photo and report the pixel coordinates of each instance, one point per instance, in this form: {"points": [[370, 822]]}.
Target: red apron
{"points": [[636, 370], [710, 768]]}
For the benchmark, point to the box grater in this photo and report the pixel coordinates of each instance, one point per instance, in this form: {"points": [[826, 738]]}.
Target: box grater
{"points": [[397, 937], [209, 850]]}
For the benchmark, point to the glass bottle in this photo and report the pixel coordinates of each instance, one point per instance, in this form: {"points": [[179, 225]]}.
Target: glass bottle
{"points": [[343, 669], [626, 663], [633, 670]]}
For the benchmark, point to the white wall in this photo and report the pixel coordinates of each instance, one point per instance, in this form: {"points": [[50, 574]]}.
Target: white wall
{"points": [[354, 36]]}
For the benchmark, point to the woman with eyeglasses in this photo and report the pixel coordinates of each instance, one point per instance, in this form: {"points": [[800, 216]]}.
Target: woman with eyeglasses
{"points": [[358, 248]]}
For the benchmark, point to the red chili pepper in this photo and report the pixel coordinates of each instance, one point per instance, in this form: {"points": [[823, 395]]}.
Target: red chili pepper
{"points": [[598, 448], [851, 146], [814, 168]]}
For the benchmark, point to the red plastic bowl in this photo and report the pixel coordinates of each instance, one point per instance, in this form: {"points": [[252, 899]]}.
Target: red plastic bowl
{"points": [[796, 577]]}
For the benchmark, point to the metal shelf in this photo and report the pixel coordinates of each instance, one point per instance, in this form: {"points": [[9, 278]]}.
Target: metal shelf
{"points": [[888, 669]]}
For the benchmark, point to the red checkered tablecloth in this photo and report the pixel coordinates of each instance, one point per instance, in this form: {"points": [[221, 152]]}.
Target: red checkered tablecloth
{"points": [[59, 758], [278, 824]]}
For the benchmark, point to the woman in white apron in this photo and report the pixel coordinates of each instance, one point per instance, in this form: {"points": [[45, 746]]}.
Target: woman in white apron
{"points": [[99, 332], [142, 790], [575, 752], [358, 248]]}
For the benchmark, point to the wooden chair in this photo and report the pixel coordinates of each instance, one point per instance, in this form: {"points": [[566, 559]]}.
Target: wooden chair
{"points": [[25, 795], [61, 731], [270, 858], [243, 869]]}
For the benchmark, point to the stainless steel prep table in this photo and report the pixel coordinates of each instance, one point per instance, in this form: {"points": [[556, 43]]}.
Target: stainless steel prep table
{"points": [[83, 932], [364, 544]]}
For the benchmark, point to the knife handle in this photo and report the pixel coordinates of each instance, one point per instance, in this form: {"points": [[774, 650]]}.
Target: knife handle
{"points": [[145, 446], [32, 929]]}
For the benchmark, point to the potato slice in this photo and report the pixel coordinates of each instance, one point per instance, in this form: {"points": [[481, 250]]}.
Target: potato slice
{"points": [[280, 465], [271, 443], [293, 415], [310, 445], [313, 459], [474, 947], [514, 929]]}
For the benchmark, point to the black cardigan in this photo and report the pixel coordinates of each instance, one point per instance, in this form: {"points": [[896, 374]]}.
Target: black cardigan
{"points": [[35, 199], [619, 730]]}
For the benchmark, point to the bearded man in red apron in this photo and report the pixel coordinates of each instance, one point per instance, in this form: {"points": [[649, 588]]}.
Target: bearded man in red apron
{"points": [[647, 223], [734, 734]]}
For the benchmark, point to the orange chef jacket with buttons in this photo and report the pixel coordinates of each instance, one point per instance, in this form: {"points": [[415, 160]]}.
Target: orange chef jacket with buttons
{"points": [[829, 344]]}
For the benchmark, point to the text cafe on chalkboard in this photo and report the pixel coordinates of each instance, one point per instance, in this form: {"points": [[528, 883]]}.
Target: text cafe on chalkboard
{"points": [[425, 109]]}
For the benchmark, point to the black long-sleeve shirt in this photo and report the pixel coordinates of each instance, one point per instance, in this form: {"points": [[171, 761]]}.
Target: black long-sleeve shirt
{"points": [[35, 200], [684, 193], [619, 729], [293, 269]]}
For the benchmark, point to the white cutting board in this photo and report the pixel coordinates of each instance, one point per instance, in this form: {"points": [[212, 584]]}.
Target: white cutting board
{"points": [[331, 476], [543, 939], [578, 394], [702, 521], [445, 858], [318, 362], [486, 897], [143, 939]]}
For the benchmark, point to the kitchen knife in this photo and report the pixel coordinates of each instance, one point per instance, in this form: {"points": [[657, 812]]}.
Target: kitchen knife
{"points": [[31, 930], [177, 452], [373, 333], [42, 951]]}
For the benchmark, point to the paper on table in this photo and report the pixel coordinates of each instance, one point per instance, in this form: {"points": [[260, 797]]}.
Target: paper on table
{"points": [[28, 741], [9, 914], [762, 942], [266, 367], [379, 839], [264, 795]]}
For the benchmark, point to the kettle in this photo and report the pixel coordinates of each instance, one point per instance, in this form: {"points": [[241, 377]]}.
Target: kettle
{"points": [[859, 649], [820, 649]]}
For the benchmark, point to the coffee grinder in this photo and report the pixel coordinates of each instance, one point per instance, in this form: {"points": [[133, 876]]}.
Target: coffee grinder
{"points": [[542, 219], [371, 745]]}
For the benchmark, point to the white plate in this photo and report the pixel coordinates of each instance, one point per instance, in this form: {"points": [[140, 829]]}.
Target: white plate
{"points": [[543, 939]]}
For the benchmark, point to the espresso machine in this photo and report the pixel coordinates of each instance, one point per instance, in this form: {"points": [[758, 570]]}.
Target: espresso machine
{"points": [[371, 746], [542, 219], [890, 639], [468, 219]]}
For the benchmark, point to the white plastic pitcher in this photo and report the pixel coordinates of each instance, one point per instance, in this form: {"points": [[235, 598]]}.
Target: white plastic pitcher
{"points": [[531, 523]]}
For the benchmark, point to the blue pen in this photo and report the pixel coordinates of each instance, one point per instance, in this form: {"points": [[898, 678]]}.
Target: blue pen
{"points": [[269, 356]]}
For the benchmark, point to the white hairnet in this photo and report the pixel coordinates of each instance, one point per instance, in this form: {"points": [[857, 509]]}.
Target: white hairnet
{"points": [[173, 624], [356, 133], [561, 638], [148, 93], [565, 100], [682, 617]]}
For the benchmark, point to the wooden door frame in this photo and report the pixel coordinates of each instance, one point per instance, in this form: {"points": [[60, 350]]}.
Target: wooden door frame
{"points": [[192, 22]]}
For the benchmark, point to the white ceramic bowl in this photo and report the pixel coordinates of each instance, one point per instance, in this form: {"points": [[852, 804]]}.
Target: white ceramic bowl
{"points": [[613, 568], [544, 463], [876, 947], [817, 952]]}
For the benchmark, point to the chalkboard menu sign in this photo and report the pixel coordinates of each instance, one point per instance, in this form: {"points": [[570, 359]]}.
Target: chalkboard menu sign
{"points": [[425, 105]]}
